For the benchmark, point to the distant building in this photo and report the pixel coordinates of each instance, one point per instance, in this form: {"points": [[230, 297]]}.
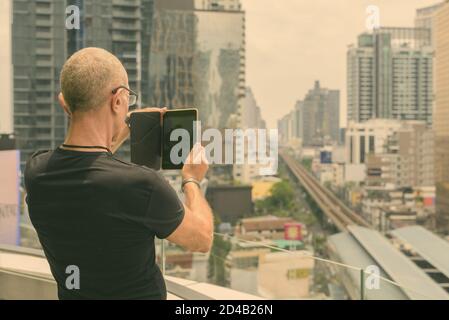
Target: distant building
{"points": [[386, 70], [320, 121], [231, 203], [407, 159], [262, 188], [425, 18], [251, 113], [273, 275], [283, 275], [442, 116], [198, 58], [391, 152], [314, 121], [250, 119], [6, 71], [185, 265], [387, 208], [42, 43], [286, 130], [263, 228], [39, 51], [367, 137]]}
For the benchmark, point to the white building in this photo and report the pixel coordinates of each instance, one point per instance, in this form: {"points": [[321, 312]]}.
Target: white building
{"points": [[6, 75], [407, 159], [391, 152], [368, 137], [250, 117]]}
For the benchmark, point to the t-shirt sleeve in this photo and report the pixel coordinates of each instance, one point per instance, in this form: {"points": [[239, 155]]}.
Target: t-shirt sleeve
{"points": [[165, 210]]}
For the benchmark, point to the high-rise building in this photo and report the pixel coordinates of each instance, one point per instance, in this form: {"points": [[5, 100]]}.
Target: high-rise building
{"points": [[290, 127], [198, 59], [117, 26], [286, 126], [42, 43], [425, 18], [441, 121], [172, 51], [251, 118], [389, 75], [39, 51], [321, 116], [251, 114], [6, 105], [220, 63], [298, 119]]}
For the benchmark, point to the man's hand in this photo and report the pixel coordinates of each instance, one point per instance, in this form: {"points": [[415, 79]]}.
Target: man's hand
{"points": [[196, 164], [196, 231]]}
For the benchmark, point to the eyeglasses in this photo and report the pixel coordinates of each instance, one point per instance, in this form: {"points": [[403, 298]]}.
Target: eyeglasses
{"points": [[133, 96]]}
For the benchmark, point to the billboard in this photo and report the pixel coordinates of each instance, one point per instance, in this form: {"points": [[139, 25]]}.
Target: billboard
{"points": [[292, 231], [325, 157], [10, 197]]}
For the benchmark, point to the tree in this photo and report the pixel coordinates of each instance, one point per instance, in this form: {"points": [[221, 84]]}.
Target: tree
{"points": [[281, 201], [219, 251]]}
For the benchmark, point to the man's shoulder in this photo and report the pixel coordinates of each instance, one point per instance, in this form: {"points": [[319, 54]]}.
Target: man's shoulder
{"points": [[41, 153], [37, 157], [137, 170]]}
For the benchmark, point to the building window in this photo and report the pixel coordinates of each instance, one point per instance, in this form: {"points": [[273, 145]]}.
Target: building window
{"points": [[362, 149]]}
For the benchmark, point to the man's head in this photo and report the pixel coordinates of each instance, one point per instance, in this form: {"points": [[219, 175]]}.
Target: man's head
{"points": [[87, 80]]}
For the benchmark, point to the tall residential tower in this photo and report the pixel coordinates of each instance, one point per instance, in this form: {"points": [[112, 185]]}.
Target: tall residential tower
{"points": [[389, 75], [441, 123]]}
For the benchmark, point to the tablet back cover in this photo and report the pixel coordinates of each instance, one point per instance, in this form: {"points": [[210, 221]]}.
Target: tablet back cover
{"points": [[146, 134]]}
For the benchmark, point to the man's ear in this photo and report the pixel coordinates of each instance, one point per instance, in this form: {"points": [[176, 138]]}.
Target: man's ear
{"points": [[64, 104], [116, 103]]}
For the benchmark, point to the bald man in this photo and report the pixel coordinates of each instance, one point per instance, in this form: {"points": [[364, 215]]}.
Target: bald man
{"points": [[97, 216]]}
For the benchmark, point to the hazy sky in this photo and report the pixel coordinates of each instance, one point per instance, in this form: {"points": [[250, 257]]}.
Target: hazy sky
{"points": [[292, 43]]}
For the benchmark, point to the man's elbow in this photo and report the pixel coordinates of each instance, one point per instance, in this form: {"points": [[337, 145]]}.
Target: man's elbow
{"points": [[205, 244]]}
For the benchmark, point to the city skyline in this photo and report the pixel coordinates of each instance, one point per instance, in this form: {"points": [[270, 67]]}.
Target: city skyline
{"points": [[294, 20]]}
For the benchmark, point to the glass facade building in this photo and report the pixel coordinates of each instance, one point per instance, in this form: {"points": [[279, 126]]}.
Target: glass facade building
{"points": [[41, 45], [198, 60]]}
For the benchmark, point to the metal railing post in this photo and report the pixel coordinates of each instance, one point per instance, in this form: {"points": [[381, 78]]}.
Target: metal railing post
{"points": [[163, 256], [362, 284]]}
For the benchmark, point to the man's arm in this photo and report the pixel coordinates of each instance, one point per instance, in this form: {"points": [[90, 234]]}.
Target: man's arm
{"points": [[196, 231]]}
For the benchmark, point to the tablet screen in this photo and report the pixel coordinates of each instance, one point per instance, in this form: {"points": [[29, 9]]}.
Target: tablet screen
{"points": [[177, 137]]}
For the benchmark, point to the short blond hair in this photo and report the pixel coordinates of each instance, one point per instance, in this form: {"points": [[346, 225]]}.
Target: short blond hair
{"points": [[87, 78]]}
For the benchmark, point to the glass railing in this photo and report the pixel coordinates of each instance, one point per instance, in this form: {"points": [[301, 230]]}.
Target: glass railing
{"points": [[272, 272], [271, 269]]}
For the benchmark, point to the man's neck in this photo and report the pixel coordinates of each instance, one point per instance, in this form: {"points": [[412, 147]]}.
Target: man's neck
{"points": [[86, 131]]}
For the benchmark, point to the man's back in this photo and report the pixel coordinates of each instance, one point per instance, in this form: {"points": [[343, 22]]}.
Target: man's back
{"points": [[100, 214]]}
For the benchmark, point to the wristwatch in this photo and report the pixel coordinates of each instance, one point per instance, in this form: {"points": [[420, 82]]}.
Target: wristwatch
{"points": [[192, 180]]}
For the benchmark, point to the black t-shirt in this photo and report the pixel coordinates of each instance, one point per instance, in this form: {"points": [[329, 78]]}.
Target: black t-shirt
{"points": [[100, 214]]}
